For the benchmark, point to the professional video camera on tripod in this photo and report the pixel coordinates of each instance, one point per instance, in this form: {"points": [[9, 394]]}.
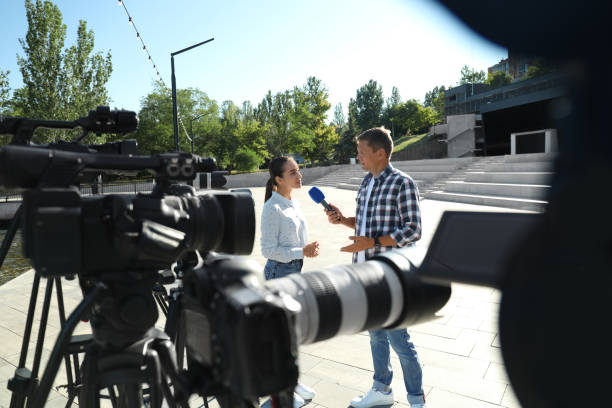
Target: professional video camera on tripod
{"points": [[240, 336]]}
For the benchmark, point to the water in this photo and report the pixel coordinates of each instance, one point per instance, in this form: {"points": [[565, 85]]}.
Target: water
{"points": [[14, 263]]}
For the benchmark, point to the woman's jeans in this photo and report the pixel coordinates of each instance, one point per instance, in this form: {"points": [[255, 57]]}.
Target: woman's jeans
{"points": [[275, 269], [409, 360]]}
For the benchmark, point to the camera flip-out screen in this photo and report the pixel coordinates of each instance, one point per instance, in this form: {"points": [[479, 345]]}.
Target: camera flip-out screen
{"points": [[473, 247]]}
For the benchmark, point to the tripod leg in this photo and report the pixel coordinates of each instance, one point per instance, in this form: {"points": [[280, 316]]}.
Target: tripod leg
{"points": [[169, 367], [155, 379], [180, 345], [20, 385], [62, 316], [161, 302], [43, 326], [60, 346], [112, 395], [130, 395]]}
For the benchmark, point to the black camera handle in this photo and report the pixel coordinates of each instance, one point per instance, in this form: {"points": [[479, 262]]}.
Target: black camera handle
{"points": [[101, 120]]}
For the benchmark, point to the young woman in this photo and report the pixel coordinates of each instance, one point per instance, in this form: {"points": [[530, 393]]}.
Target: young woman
{"points": [[284, 234]]}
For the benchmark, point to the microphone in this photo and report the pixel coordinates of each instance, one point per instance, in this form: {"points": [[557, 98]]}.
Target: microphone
{"points": [[319, 198]]}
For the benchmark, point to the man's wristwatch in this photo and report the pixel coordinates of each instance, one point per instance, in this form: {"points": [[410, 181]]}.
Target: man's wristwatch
{"points": [[376, 242]]}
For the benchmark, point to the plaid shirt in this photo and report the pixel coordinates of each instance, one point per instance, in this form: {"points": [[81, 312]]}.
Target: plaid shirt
{"points": [[393, 209]]}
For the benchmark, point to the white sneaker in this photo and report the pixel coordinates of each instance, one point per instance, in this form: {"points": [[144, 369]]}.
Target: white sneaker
{"points": [[305, 391], [297, 400], [372, 398]]}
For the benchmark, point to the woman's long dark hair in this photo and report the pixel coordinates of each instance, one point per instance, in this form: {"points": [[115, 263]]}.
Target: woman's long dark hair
{"points": [[277, 165]]}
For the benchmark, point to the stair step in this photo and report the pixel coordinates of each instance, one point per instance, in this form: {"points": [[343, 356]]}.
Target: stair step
{"points": [[528, 191], [530, 157], [494, 201], [542, 178], [520, 167]]}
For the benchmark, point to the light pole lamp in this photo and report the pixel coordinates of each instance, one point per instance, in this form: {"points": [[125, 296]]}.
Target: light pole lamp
{"points": [[174, 110]]}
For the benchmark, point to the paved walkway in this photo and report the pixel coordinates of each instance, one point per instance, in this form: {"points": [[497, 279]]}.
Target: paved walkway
{"points": [[460, 351]]}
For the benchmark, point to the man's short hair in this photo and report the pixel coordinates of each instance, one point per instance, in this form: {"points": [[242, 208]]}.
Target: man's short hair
{"points": [[378, 138]]}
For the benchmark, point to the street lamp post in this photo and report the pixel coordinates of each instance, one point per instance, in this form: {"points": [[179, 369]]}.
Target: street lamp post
{"points": [[174, 110]]}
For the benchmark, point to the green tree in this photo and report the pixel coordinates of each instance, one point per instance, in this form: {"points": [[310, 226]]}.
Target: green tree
{"points": [[395, 98], [389, 113], [155, 132], [471, 76], [5, 93], [538, 67], [498, 79], [58, 85], [435, 99], [227, 142], [87, 73], [273, 112], [369, 103], [339, 120], [412, 118], [247, 160], [346, 146], [319, 138]]}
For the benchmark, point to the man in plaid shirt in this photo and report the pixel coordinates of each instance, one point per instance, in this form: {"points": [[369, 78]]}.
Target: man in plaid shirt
{"points": [[388, 217]]}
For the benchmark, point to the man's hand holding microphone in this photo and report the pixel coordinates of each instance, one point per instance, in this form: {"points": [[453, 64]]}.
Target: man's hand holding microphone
{"points": [[334, 216]]}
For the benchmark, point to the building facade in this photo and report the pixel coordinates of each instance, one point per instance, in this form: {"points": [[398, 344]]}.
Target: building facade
{"points": [[521, 106]]}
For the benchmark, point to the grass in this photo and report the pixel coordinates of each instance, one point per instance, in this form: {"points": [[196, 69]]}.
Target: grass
{"points": [[405, 141]]}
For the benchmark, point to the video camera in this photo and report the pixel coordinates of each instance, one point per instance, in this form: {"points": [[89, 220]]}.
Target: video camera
{"points": [[240, 336]]}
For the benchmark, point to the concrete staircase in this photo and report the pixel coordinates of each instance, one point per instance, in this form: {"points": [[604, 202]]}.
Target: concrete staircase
{"points": [[512, 181], [348, 177], [425, 173]]}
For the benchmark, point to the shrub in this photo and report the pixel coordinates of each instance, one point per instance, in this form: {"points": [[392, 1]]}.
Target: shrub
{"points": [[247, 160]]}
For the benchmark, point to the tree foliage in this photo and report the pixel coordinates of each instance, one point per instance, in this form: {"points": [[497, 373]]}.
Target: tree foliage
{"points": [[312, 112], [58, 84], [498, 79], [471, 76], [339, 120], [369, 104], [346, 146], [5, 98], [435, 99], [293, 121], [155, 132], [539, 67]]}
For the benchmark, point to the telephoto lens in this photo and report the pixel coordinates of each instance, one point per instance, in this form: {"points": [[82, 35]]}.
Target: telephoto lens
{"points": [[384, 292]]}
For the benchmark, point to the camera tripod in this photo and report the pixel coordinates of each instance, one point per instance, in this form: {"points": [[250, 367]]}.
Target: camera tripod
{"points": [[116, 370]]}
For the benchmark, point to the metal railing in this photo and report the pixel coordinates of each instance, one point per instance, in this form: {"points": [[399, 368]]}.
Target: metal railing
{"points": [[131, 186]]}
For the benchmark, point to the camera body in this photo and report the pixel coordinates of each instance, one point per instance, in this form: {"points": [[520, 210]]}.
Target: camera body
{"points": [[126, 232], [240, 338]]}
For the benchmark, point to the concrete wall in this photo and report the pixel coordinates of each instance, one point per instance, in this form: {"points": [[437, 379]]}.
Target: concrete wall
{"points": [[462, 145], [260, 179], [461, 136], [441, 129]]}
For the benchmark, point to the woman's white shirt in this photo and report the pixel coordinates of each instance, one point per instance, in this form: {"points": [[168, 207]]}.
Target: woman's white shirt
{"points": [[284, 232]]}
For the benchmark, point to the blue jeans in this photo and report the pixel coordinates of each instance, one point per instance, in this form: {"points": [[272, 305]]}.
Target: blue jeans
{"points": [[275, 269], [409, 360]]}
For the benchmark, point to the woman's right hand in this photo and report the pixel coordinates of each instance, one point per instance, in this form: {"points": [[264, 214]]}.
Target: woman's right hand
{"points": [[311, 250]]}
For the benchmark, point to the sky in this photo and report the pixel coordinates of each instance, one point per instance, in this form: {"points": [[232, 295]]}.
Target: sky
{"points": [[265, 45]]}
